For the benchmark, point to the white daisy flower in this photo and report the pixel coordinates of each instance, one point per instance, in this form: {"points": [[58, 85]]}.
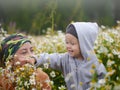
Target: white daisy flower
{"points": [[52, 74], [46, 65]]}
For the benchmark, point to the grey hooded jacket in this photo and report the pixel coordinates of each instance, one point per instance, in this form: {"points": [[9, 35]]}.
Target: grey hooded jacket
{"points": [[77, 72]]}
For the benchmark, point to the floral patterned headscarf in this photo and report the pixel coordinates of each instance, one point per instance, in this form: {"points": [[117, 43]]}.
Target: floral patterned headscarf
{"points": [[11, 44]]}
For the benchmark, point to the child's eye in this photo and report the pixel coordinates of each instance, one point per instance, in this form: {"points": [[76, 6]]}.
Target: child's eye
{"points": [[72, 43], [66, 42]]}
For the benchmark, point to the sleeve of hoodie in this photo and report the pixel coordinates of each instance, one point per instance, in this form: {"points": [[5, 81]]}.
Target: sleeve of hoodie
{"points": [[101, 70], [54, 61]]}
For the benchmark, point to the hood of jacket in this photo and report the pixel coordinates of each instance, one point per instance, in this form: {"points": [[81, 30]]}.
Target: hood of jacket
{"points": [[87, 33]]}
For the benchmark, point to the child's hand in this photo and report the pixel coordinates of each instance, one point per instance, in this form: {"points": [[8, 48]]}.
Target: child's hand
{"points": [[32, 60]]}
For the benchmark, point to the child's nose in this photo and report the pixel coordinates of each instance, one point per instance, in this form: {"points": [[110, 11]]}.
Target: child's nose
{"points": [[68, 46]]}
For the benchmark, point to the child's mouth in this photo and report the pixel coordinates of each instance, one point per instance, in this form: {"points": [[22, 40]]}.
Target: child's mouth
{"points": [[70, 51]]}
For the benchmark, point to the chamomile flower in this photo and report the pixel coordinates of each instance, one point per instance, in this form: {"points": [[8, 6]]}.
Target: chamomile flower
{"points": [[46, 65], [52, 74], [62, 87]]}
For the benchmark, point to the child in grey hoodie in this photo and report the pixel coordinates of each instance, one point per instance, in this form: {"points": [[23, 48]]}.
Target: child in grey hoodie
{"points": [[80, 58]]}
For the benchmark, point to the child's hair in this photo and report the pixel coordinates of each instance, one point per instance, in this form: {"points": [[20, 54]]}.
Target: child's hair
{"points": [[71, 30], [10, 45]]}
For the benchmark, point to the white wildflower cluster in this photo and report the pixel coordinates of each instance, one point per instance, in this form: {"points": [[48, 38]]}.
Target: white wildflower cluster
{"points": [[107, 48], [25, 77], [52, 74], [97, 85], [62, 87]]}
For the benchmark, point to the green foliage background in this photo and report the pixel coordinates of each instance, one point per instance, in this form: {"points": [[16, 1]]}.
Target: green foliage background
{"points": [[35, 16]]}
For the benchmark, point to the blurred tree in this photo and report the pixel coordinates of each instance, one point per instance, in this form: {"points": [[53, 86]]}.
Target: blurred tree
{"points": [[116, 9], [98, 10], [35, 16]]}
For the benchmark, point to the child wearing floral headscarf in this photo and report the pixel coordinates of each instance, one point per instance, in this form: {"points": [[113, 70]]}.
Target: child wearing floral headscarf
{"points": [[16, 58]]}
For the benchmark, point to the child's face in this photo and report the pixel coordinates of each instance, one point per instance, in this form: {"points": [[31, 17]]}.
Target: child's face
{"points": [[72, 46], [23, 54]]}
